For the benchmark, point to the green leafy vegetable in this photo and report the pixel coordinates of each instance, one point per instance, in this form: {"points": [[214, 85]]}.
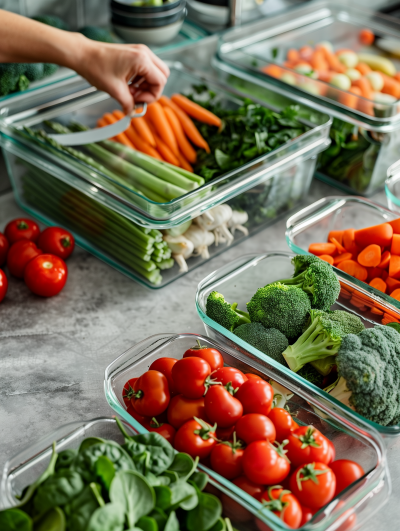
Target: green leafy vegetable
{"points": [[205, 515], [80, 510], [53, 520], [58, 490], [15, 520], [107, 518], [105, 471], [131, 491]]}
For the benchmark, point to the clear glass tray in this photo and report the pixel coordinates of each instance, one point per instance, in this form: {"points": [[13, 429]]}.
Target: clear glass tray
{"points": [[352, 437], [240, 279], [392, 187]]}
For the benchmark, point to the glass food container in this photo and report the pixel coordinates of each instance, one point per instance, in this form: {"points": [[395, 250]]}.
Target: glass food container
{"points": [[392, 187], [108, 219], [352, 437], [239, 280], [313, 224], [365, 137]]}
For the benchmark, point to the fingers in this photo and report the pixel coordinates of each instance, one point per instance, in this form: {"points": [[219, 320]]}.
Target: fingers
{"points": [[123, 95], [154, 58]]}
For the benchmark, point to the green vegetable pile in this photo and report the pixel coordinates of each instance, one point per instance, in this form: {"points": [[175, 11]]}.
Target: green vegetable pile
{"points": [[292, 323], [104, 486]]}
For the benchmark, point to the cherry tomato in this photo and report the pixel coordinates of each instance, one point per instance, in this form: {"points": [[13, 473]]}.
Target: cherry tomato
{"points": [[255, 427], [164, 365], [3, 285], [211, 355], [151, 394], [166, 430], [306, 445], [128, 391], [46, 275], [4, 246], [250, 375], [195, 438], [254, 489], [282, 421], [307, 514], [226, 459], [182, 409], [57, 241], [22, 229], [19, 255], [313, 484], [144, 421], [256, 396], [265, 463], [351, 518], [283, 504], [222, 407], [228, 375], [346, 473], [332, 453], [190, 377], [225, 434]]}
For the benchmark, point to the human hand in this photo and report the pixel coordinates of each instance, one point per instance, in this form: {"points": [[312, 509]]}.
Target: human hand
{"points": [[109, 67]]}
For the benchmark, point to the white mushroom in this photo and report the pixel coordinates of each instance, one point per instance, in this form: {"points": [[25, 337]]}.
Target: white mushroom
{"points": [[201, 240], [216, 221], [181, 248], [237, 221]]}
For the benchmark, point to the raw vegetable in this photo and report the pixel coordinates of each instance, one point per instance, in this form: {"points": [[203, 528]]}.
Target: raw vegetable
{"points": [[224, 313], [211, 355], [21, 229], [307, 445], [268, 340], [313, 484], [3, 285], [46, 275], [4, 246], [20, 253], [57, 241]]}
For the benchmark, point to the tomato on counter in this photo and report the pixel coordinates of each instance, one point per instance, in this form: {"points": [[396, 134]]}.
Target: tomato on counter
{"points": [[46, 275], [4, 246], [3, 285], [57, 241], [20, 253], [21, 229]]}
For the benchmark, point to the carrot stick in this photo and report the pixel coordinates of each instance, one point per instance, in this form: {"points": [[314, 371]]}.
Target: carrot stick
{"points": [[157, 117], [142, 129], [366, 92], [395, 224], [122, 138], [395, 248], [322, 248], [370, 256], [318, 61], [141, 145], [385, 259], [341, 258], [363, 68], [333, 61], [101, 122], [390, 86], [378, 284], [196, 111], [183, 163], [350, 100], [392, 284], [183, 143], [353, 269], [394, 266], [337, 234], [162, 147], [376, 311], [379, 234], [187, 125], [326, 258], [338, 246]]}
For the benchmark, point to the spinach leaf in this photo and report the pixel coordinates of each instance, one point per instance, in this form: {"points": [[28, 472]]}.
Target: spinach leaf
{"points": [[146, 523], [88, 442], [172, 476], [163, 497], [151, 451], [200, 479], [183, 465], [65, 459], [205, 515], [155, 481], [15, 520], [105, 471], [53, 520], [184, 495], [133, 494], [80, 510], [160, 517], [172, 522], [57, 490], [110, 517]]}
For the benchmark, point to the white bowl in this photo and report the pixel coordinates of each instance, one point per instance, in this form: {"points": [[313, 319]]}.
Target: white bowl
{"points": [[153, 36]]}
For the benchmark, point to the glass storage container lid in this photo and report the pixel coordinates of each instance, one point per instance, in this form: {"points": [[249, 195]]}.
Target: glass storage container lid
{"points": [[77, 101], [261, 49]]}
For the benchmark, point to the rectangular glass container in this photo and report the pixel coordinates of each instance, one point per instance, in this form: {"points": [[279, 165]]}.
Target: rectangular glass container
{"points": [[392, 188], [239, 280], [352, 437], [364, 144], [313, 224]]}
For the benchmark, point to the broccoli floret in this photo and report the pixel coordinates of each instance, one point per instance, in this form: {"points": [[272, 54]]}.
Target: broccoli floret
{"points": [[34, 71], [325, 365], [49, 69], [268, 340], [348, 322], [12, 78], [395, 326], [224, 313], [285, 308], [316, 278], [369, 371], [97, 34], [311, 375], [55, 22]]}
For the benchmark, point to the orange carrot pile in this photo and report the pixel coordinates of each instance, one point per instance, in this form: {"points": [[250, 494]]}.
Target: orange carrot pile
{"points": [[167, 131]]}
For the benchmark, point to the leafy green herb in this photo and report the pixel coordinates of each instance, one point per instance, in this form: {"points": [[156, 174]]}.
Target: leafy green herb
{"points": [[107, 518], [58, 490], [205, 515], [105, 471], [15, 520], [65, 459], [80, 510]]}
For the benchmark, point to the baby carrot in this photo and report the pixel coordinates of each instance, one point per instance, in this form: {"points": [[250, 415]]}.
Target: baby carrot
{"points": [[376, 311], [394, 266], [395, 248], [338, 246], [366, 37], [157, 117], [183, 163], [293, 55], [306, 52], [385, 259], [370, 256], [341, 257], [183, 143], [379, 234], [101, 122], [141, 127], [366, 92], [352, 268], [390, 86], [363, 68], [395, 224], [122, 137], [196, 111], [350, 98], [378, 284], [273, 70], [337, 234], [318, 61], [322, 248], [162, 147], [333, 62], [326, 258]]}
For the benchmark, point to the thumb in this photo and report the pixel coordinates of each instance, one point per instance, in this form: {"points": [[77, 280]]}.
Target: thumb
{"points": [[123, 95]]}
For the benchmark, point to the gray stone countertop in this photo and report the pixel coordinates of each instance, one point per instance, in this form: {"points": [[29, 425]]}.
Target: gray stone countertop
{"points": [[53, 352]]}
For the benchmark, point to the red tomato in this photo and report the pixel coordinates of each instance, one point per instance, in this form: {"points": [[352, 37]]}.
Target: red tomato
{"points": [[195, 438], [313, 484], [3, 285], [282, 421], [283, 504], [222, 407], [4, 246], [211, 355], [255, 427], [332, 453], [46, 275], [19, 255], [164, 365], [249, 376], [349, 521], [228, 375], [225, 434], [265, 463], [57, 241], [128, 391], [254, 489], [307, 514], [22, 229], [190, 377], [256, 396], [166, 430], [144, 421], [306, 445], [346, 473], [182, 409], [226, 459], [151, 394]]}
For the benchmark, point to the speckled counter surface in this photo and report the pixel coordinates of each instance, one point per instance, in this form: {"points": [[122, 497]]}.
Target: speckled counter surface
{"points": [[53, 352]]}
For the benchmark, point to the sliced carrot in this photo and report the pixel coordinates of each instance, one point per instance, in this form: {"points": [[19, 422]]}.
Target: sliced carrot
{"points": [[395, 224], [337, 234], [348, 239], [341, 257], [396, 294], [374, 272], [183, 143], [322, 248], [293, 55], [394, 266], [363, 68], [376, 311], [385, 259], [378, 284], [326, 258], [370, 256], [366, 37], [392, 283], [187, 125], [339, 247], [122, 137], [156, 115], [395, 247], [384, 275], [390, 86], [183, 163], [379, 234], [196, 111], [352, 268]]}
